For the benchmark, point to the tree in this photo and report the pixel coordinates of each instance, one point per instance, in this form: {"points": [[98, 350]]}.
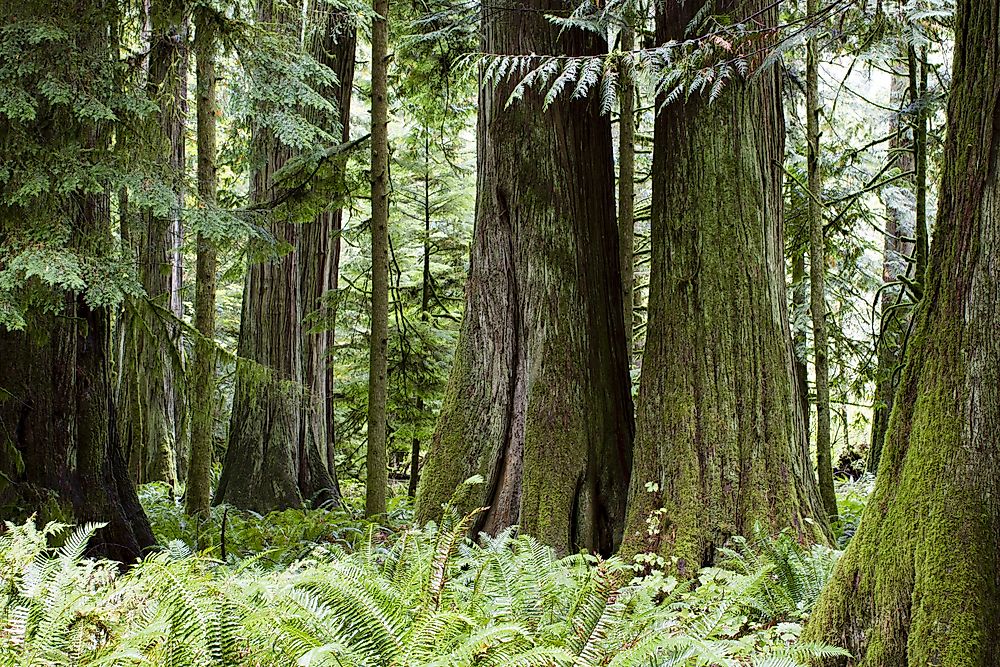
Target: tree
{"points": [[150, 421], [377, 482], [918, 583], [626, 187], [817, 273], [279, 453], [538, 402], [198, 491], [60, 454], [720, 442]]}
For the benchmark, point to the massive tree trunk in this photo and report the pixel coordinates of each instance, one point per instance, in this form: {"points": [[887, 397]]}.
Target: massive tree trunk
{"points": [[893, 304], [60, 455], [720, 441], [538, 401], [150, 417], [280, 452], [920, 582]]}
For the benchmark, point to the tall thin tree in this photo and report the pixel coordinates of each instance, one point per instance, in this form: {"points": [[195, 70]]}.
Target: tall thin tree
{"points": [[377, 481]]}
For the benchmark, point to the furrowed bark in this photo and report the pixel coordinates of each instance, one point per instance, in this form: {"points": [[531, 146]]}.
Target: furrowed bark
{"points": [[720, 432], [919, 583], [538, 402]]}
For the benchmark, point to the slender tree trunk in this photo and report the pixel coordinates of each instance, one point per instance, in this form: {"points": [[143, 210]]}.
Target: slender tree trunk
{"points": [[538, 402], [377, 481], [720, 443], [799, 344], [817, 275], [919, 583], [61, 456], [425, 299], [626, 190], [150, 420], [900, 225], [199, 475]]}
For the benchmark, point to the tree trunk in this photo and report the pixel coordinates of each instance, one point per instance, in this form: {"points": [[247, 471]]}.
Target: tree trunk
{"points": [[720, 442], [377, 481], [150, 419], [60, 455], [817, 275], [279, 450], [893, 318], [319, 250], [800, 367], [261, 468], [538, 402], [199, 475], [626, 190], [920, 582]]}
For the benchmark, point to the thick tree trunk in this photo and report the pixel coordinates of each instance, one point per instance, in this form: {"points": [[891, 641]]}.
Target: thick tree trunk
{"points": [[150, 418], [920, 582], [261, 467], [539, 401], [280, 453], [720, 433], [894, 319], [199, 473], [817, 275], [319, 249], [377, 481], [60, 455]]}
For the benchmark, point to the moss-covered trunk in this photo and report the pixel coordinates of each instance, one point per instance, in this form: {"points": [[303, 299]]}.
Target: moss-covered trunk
{"points": [[538, 401], [198, 491], [720, 442], [920, 582], [60, 454]]}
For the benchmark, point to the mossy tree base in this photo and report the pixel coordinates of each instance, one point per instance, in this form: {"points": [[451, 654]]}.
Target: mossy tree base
{"points": [[721, 443], [920, 582]]}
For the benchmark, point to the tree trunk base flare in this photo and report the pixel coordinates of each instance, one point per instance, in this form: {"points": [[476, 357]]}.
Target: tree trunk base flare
{"points": [[720, 443], [919, 583], [538, 402], [60, 456]]}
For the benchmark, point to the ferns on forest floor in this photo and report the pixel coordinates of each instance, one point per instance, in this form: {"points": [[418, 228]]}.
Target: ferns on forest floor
{"points": [[414, 597]]}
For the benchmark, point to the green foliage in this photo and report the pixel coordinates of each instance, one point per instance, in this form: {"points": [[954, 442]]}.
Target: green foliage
{"points": [[411, 597]]}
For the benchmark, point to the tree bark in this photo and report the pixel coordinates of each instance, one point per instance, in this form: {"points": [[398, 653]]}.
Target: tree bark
{"points": [[377, 480], [626, 190], [199, 473], [538, 402], [817, 275], [334, 44], [60, 455], [919, 583], [280, 453], [720, 434]]}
